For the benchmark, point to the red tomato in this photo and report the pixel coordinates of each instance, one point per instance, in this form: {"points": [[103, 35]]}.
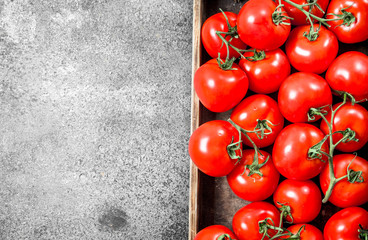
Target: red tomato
{"points": [[246, 220], [298, 16], [350, 116], [256, 27], [253, 188], [309, 232], [345, 224], [303, 197], [357, 31], [301, 91], [213, 232], [346, 194], [212, 43], [290, 151], [208, 147], [349, 73], [217, 89], [311, 56], [258, 107], [266, 75]]}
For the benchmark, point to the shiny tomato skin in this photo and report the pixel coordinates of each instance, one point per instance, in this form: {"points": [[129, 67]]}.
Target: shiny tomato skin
{"points": [[245, 220], [298, 16], [217, 89], [358, 30], [208, 147], [256, 28], [290, 151], [344, 224], [266, 75], [212, 43], [346, 194], [213, 232], [262, 107], [350, 116], [309, 232], [253, 188], [301, 91], [311, 56], [349, 73], [303, 197]]}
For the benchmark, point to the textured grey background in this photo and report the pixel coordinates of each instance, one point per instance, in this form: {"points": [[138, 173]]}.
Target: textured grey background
{"points": [[94, 119]]}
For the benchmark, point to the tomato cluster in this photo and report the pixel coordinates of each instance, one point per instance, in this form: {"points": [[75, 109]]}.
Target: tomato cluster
{"points": [[294, 101]]}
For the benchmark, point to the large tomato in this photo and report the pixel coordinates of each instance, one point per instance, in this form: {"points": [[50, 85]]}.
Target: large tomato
{"points": [[346, 224], [246, 220], [350, 116], [213, 232], [301, 91], [208, 147], [290, 151], [258, 107], [349, 73], [311, 55], [266, 74], [220, 90], [212, 43], [303, 197], [255, 187], [299, 18], [357, 30], [308, 232], [346, 194], [257, 28]]}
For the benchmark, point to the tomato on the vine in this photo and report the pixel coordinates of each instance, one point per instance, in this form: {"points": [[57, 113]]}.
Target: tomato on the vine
{"points": [[347, 193], [354, 26], [314, 52], [300, 92], [212, 43], [258, 28], [265, 72], [290, 151], [308, 232], [258, 111], [255, 187], [213, 232], [220, 90], [349, 73], [298, 16], [208, 147], [348, 223]]}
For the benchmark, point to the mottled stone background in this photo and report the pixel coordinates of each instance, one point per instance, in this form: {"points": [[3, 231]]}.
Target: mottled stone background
{"points": [[94, 119]]}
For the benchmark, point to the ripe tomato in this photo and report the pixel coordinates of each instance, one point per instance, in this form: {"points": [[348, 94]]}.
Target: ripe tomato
{"points": [[311, 55], [253, 188], [345, 224], [212, 43], [266, 75], [309, 232], [213, 232], [208, 147], [258, 107], [256, 27], [290, 151], [357, 31], [346, 194], [301, 91], [303, 197], [350, 116], [349, 73], [220, 90], [246, 220], [298, 16]]}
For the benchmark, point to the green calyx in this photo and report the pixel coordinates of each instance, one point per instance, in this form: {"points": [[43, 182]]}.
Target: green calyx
{"points": [[234, 149], [363, 233], [347, 17], [279, 17], [225, 237], [227, 64], [354, 176], [257, 56], [312, 35]]}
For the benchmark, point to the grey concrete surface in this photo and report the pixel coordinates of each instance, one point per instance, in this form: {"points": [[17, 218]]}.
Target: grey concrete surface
{"points": [[94, 119]]}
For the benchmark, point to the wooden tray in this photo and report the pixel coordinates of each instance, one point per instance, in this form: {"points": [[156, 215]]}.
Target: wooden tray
{"points": [[211, 199]]}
